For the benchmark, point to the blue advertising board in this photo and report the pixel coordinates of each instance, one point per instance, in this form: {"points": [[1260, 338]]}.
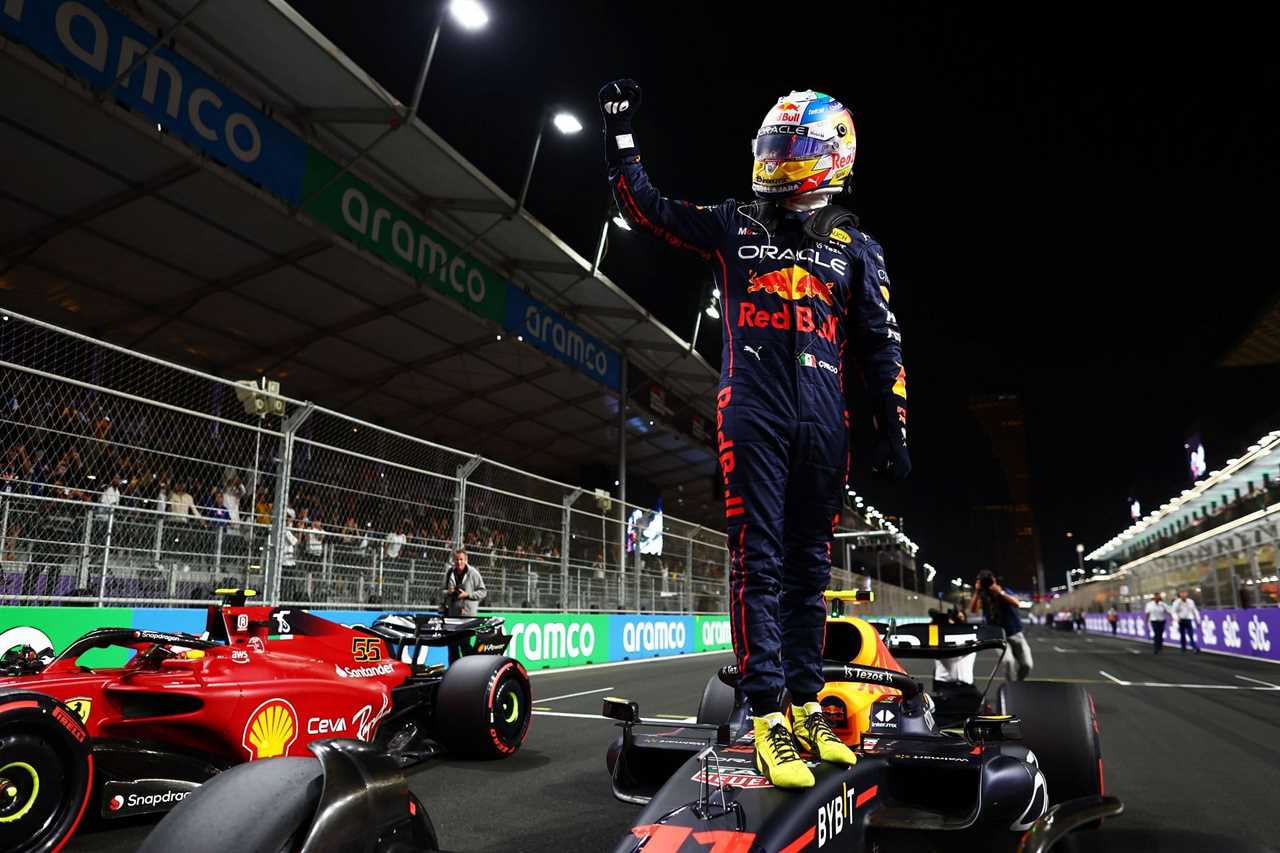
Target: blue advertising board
{"points": [[545, 328], [97, 44], [632, 637]]}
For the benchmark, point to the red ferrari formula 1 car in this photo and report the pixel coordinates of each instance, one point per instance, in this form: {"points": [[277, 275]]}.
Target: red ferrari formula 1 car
{"points": [[262, 682]]}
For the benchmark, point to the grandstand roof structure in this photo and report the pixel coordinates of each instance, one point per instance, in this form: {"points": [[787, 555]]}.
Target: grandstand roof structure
{"points": [[1259, 345], [1257, 465], [175, 182]]}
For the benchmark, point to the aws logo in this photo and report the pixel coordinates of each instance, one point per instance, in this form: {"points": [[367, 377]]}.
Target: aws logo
{"points": [[271, 729]]}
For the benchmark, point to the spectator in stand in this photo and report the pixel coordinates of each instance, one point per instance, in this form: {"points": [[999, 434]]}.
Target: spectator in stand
{"points": [[218, 514], [182, 516], [232, 494], [395, 541], [1113, 619], [290, 588], [1188, 615], [313, 548], [110, 497], [1158, 615], [262, 508]]}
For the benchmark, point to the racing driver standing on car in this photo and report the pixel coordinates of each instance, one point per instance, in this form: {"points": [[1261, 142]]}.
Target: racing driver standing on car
{"points": [[798, 282]]}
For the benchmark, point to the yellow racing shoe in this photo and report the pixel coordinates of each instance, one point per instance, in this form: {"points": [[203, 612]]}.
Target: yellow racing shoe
{"points": [[814, 734], [776, 755]]}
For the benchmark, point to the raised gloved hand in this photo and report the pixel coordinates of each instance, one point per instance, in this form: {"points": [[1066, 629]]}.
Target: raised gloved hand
{"points": [[891, 460], [619, 101]]}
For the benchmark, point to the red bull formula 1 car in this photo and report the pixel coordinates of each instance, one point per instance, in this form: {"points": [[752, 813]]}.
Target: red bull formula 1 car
{"points": [[958, 774], [261, 682]]}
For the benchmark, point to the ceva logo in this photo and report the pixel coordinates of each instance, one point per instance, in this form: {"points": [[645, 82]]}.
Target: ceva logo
{"points": [[552, 640], [653, 636]]}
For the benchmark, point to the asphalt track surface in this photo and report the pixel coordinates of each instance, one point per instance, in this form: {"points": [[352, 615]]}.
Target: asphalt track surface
{"points": [[1191, 745]]}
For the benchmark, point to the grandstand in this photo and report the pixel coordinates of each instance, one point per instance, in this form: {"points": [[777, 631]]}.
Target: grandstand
{"points": [[1217, 538]]}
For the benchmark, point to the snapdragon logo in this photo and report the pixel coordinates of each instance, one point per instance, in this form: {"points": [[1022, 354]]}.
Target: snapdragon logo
{"points": [[533, 642], [653, 636]]}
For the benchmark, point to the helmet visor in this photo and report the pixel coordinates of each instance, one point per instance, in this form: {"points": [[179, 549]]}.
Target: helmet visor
{"points": [[782, 143]]}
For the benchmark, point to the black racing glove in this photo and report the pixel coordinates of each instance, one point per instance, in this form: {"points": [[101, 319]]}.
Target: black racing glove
{"points": [[619, 101], [890, 459]]}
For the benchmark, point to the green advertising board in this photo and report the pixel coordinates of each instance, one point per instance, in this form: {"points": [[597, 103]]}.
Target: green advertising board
{"points": [[712, 633], [354, 209], [41, 627], [548, 640]]}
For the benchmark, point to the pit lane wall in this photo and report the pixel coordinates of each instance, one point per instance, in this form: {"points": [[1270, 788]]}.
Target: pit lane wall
{"points": [[1253, 633], [540, 640]]}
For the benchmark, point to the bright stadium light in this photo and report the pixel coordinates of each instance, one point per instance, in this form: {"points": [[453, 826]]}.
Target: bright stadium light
{"points": [[566, 123], [469, 14]]}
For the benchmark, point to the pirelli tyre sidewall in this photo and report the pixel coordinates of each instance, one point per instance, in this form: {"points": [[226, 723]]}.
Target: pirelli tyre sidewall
{"points": [[46, 772], [1060, 726], [483, 707]]}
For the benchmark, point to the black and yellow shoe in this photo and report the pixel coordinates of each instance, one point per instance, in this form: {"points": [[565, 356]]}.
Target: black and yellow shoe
{"points": [[776, 755], [815, 735]]}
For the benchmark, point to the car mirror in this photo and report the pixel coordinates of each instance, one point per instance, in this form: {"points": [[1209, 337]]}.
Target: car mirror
{"points": [[622, 710]]}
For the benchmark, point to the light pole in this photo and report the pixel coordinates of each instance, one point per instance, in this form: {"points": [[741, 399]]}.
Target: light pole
{"points": [[469, 15], [564, 122]]}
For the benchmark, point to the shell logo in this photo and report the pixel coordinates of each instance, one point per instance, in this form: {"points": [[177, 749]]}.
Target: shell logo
{"points": [[271, 729]]}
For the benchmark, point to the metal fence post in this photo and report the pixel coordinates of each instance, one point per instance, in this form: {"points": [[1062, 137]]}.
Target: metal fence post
{"points": [[465, 470], [273, 565], [688, 575], [565, 539], [106, 556]]}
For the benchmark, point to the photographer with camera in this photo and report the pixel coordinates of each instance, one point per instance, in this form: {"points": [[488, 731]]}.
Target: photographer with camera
{"points": [[1000, 608], [463, 591]]}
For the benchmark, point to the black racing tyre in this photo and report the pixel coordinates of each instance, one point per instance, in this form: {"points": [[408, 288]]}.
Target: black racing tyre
{"points": [[1060, 726], [718, 702], [483, 706], [46, 773], [268, 805]]}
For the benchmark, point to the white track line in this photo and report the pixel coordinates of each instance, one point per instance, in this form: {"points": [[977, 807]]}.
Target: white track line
{"points": [[1106, 674], [669, 720], [1256, 681], [571, 695], [580, 667]]}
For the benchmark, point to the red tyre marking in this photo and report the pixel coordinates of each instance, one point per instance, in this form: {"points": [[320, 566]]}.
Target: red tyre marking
{"points": [[18, 706], [83, 804]]}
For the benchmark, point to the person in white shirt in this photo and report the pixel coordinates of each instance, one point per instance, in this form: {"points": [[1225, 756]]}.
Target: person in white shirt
{"points": [[1187, 614], [181, 504], [1158, 615]]}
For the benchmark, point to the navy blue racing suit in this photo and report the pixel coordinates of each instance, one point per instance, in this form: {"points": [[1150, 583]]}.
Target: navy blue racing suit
{"points": [[789, 306]]}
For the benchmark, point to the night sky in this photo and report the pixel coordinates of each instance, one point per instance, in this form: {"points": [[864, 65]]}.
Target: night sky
{"points": [[1076, 205]]}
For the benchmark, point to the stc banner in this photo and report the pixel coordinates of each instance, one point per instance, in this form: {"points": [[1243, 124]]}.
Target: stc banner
{"points": [[1250, 633], [97, 44]]}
